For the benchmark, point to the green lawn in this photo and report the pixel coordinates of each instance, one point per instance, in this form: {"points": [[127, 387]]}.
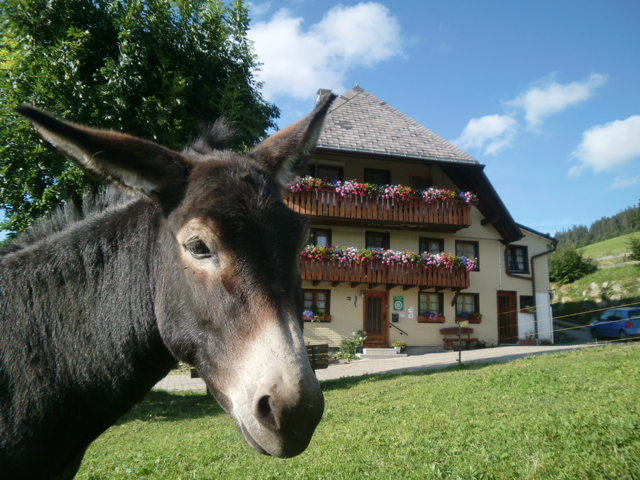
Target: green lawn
{"points": [[613, 246], [572, 415]]}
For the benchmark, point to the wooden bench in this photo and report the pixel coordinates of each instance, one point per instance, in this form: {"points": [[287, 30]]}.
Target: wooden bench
{"points": [[318, 356], [448, 341]]}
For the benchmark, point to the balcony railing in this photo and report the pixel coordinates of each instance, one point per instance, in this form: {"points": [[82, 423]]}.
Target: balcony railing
{"points": [[379, 273], [355, 208]]}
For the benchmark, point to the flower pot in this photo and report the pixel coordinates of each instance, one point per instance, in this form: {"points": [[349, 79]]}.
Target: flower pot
{"points": [[528, 343], [326, 319]]}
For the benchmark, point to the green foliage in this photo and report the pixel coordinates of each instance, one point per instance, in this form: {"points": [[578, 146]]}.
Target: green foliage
{"points": [[634, 248], [561, 416], [568, 264], [152, 68], [347, 348]]}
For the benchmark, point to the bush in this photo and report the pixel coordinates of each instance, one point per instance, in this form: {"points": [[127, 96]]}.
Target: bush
{"points": [[568, 265], [634, 246], [348, 348]]}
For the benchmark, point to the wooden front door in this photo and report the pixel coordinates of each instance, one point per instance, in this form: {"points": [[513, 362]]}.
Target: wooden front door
{"points": [[507, 317], [376, 319]]}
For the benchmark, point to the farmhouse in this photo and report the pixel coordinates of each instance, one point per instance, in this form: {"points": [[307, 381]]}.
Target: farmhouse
{"points": [[448, 250]]}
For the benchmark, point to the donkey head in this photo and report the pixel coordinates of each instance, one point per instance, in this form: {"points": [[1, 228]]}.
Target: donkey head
{"points": [[228, 296]]}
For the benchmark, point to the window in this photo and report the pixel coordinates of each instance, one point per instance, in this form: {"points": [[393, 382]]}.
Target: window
{"points": [[326, 172], [421, 182], [469, 250], [526, 301], [467, 303], [316, 300], [379, 177], [429, 303], [379, 240], [320, 237], [433, 246], [517, 259]]}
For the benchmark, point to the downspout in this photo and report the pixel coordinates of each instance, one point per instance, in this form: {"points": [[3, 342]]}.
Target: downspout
{"points": [[532, 279]]}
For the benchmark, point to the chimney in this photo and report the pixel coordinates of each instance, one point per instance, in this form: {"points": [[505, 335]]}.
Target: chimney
{"points": [[321, 93]]}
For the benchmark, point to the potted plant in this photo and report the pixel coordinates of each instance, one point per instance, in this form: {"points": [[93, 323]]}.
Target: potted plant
{"points": [[358, 338], [529, 339], [475, 317], [431, 317], [309, 316], [399, 345]]}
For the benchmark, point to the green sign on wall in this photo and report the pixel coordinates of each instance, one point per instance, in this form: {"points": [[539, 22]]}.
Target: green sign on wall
{"points": [[398, 303]]}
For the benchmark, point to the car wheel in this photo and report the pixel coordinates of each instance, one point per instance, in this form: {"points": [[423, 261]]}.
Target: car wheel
{"points": [[594, 334], [622, 335]]}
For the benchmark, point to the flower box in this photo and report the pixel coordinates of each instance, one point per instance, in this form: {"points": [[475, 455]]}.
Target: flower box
{"points": [[471, 319], [327, 318], [528, 343], [423, 319]]}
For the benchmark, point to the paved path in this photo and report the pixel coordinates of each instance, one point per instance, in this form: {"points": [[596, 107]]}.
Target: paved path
{"points": [[411, 363]]}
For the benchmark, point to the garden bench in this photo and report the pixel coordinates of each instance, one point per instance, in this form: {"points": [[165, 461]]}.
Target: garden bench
{"points": [[448, 341], [318, 356]]}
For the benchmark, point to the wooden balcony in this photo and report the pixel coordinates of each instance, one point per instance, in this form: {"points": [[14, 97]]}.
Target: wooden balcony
{"points": [[331, 208], [378, 273]]}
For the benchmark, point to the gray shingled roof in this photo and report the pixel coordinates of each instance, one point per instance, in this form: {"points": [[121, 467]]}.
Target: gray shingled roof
{"points": [[360, 122]]}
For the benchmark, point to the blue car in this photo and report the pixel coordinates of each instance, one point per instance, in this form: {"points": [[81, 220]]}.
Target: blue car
{"points": [[617, 323]]}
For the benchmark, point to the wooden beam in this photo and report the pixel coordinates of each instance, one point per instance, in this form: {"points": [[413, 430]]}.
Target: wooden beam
{"points": [[389, 286], [355, 284], [407, 287], [373, 285], [455, 298], [335, 284], [317, 282]]}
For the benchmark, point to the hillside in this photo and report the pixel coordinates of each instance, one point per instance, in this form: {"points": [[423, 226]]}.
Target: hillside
{"points": [[613, 246], [622, 223], [581, 301]]}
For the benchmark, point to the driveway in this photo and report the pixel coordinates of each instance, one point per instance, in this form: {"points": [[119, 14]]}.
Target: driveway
{"points": [[411, 363]]}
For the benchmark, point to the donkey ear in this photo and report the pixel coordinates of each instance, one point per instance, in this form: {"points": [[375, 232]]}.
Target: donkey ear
{"points": [[290, 148], [138, 164]]}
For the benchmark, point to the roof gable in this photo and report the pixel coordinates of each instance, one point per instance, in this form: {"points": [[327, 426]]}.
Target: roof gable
{"points": [[358, 121]]}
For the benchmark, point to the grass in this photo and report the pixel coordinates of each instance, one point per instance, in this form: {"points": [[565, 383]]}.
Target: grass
{"points": [[569, 415], [613, 246]]}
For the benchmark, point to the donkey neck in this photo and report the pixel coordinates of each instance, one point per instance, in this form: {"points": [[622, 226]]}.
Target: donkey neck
{"points": [[85, 300]]}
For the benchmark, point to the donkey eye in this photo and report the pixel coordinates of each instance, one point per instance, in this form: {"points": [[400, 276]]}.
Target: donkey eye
{"points": [[198, 249]]}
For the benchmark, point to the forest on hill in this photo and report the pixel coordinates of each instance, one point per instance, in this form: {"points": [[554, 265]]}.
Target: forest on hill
{"points": [[626, 221]]}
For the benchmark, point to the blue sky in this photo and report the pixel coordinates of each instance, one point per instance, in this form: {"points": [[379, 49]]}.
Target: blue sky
{"points": [[546, 94]]}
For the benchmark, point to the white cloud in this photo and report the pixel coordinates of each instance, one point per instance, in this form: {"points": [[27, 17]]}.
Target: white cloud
{"points": [[541, 102], [296, 62], [621, 181], [605, 147], [496, 131]]}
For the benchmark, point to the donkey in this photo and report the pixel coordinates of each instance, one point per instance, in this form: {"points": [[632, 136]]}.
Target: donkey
{"points": [[200, 264]]}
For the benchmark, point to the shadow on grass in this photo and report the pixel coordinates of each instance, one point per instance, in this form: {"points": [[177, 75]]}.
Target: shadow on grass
{"points": [[162, 406]]}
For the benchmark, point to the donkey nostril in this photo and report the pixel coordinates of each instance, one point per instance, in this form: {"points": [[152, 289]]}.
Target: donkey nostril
{"points": [[264, 413]]}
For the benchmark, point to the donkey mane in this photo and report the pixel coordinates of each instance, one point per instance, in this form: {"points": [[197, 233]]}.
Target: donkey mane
{"points": [[212, 138], [67, 215]]}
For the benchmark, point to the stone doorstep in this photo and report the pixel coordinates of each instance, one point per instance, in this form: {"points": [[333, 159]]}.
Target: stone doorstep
{"points": [[379, 353]]}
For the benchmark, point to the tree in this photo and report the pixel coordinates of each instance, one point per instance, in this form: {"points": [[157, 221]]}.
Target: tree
{"points": [[152, 68], [634, 246], [568, 265]]}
